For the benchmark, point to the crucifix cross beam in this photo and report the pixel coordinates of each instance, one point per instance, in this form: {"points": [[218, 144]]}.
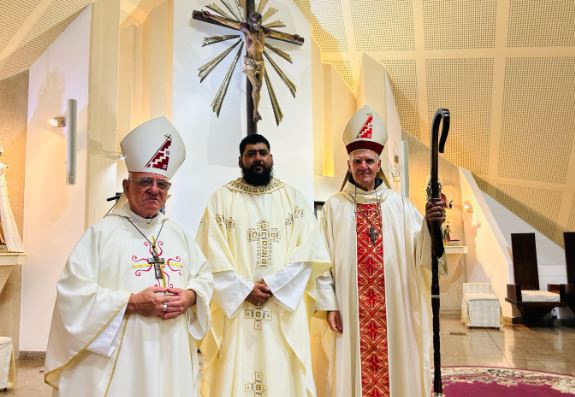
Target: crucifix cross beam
{"points": [[255, 33]]}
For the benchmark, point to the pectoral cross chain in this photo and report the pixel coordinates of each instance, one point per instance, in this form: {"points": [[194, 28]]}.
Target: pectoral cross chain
{"points": [[155, 259]]}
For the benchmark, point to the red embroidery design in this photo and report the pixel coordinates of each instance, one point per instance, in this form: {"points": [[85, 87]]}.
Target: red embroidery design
{"points": [[372, 311], [366, 129], [172, 264], [161, 158]]}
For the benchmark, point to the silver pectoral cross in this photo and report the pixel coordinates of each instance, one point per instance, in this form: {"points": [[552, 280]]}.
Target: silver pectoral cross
{"points": [[157, 262], [372, 235]]}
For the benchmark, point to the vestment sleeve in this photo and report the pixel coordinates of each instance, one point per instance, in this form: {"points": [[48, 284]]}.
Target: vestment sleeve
{"points": [[325, 286], [289, 283], [231, 289], [105, 343], [84, 309], [201, 282]]}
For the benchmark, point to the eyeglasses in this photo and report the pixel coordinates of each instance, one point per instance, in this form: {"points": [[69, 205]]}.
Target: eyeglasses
{"points": [[146, 183]]}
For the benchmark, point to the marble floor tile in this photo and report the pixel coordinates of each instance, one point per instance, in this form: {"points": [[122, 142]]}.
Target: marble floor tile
{"points": [[550, 349]]}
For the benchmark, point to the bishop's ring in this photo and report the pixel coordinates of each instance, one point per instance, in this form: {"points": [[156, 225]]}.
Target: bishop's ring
{"points": [[165, 307]]}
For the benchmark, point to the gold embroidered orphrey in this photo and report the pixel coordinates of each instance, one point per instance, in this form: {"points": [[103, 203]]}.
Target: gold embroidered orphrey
{"points": [[239, 185], [257, 387], [258, 314], [264, 236]]}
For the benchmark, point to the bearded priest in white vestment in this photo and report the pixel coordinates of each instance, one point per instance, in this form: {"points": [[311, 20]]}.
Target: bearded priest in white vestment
{"points": [[135, 293], [377, 294], [265, 248]]}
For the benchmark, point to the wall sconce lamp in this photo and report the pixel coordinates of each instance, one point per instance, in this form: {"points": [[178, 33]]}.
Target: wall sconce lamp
{"points": [[69, 122], [71, 127], [57, 122]]}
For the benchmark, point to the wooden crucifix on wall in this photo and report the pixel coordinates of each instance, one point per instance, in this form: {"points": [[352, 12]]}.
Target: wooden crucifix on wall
{"points": [[242, 16]]}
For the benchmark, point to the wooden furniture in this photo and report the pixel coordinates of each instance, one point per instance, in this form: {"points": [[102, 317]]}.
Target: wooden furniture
{"points": [[525, 295], [567, 291]]}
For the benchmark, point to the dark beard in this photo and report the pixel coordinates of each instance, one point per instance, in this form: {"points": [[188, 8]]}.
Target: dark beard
{"points": [[257, 179]]}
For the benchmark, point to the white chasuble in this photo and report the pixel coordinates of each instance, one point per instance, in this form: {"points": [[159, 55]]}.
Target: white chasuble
{"points": [[95, 350], [404, 314], [249, 233]]}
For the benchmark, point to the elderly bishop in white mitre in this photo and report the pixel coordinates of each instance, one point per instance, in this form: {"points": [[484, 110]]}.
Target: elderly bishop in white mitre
{"points": [[377, 294], [135, 292]]}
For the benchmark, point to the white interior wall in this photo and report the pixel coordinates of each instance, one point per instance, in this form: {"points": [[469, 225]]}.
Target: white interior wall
{"points": [[145, 70], [212, 142], [489, 258], [53, 210], [338, 106]]}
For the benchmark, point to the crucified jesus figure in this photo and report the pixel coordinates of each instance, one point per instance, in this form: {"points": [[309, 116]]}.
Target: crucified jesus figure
{"points": [[254, 38], [254, 67]]}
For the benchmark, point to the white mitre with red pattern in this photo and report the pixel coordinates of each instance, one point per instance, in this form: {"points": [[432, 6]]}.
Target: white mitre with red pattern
{"points": [[365, 130], [154, 146]]}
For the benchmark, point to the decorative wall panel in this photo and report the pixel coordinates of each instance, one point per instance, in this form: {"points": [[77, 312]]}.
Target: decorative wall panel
{"points": [[463, 86], [383, 25], [541, 23], [13, 14], [538, 123], [459, 24], [538, 207], [24, 56]]}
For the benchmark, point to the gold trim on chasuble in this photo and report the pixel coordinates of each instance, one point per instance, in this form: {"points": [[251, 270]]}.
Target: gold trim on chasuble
{"points": [[257, 387], [56, 372], [239, 185], [258, 314]]}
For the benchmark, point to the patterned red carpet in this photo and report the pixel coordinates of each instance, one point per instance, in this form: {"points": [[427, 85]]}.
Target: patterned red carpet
{"points": [[504, 382]]}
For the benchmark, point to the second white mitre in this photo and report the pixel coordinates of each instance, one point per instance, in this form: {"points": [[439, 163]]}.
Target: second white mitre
{"points": [[154, 146]]}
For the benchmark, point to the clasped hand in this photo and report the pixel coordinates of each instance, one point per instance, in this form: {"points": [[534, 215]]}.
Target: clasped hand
{"points": [[260, 293], [165, 303]]}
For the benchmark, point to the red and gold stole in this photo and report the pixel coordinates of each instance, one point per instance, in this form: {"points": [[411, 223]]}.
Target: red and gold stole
{"points": [[371, 293]]}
